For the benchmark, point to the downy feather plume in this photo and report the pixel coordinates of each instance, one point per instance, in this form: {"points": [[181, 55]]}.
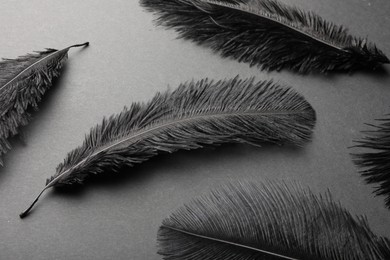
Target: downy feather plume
{"points": [[23, 81], [197, 114], [267, 34], [375, 159], [272, 220]]}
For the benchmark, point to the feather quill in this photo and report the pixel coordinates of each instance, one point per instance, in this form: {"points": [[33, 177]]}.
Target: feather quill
{"points": [[267, 34], [272, 220], [23, 82], [197, 114], [375, 159]]}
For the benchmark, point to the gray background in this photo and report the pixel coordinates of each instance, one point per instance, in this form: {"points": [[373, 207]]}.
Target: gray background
{"points": [[129, 59]]}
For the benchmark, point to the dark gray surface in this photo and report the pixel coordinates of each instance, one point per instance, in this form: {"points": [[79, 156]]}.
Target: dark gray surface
{"points": [[129, 60]]}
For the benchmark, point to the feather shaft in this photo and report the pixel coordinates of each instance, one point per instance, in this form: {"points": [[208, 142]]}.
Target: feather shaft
{"points": [[195, 115], [227, 242], [25, 213], [40, 61], [241, 8], [138, 135]]}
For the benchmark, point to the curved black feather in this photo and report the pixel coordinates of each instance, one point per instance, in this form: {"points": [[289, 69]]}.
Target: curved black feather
{"points": [[243, 221], [268, 34], [23, 81], [197, 114], [375, 159]]}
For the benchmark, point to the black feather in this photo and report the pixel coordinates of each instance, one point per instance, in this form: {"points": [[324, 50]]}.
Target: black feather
{"points": [[375, 159], [197, 114], [247, 220], [23, 81], [268, 34]]}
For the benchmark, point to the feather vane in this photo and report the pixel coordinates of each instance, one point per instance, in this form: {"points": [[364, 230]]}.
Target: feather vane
{"points": [[267, 34], [375, 159], [23, 82], [247, 220], [197, 114]]}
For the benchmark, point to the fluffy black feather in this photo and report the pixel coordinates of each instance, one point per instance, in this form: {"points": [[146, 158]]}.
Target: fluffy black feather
{"points": [[197, 114], [268, 34], [243, 221], [23, 81], [375, 159]]}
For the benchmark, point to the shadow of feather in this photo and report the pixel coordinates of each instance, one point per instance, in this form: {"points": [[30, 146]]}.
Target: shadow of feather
{"points": [[142, 173], [379, 72]]}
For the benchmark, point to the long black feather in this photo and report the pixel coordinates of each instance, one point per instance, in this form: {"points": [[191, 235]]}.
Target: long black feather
{"points": [[23, 81], [375, 159], [247, 220], [268, 34], [197, 114]]}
